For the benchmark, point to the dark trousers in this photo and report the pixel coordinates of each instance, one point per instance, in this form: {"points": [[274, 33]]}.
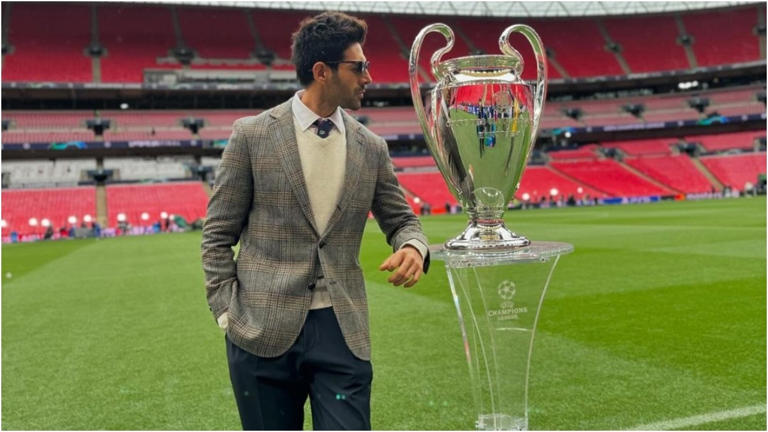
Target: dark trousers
{"points": [[271, 392]]}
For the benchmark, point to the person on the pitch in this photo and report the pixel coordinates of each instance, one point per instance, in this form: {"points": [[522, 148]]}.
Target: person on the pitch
{"points": [[294, 187]]}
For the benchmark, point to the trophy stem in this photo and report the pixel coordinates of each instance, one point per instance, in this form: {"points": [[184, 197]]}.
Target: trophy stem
{"points": [[487, 234]]}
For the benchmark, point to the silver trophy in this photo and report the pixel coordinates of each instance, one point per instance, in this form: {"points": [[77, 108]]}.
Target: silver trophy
{"points": [[480, 124]]}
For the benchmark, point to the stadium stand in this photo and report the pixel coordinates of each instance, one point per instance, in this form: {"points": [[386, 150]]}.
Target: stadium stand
{"points": [[640, 37], [539, 181], [586, 152], [185, 199], [736, 171], [724, 36], [727, 141], [643, 147], [581, 56], [609, 176], [217, 33], [49, 41], [429, 187], [135, 37], [56, 205], [676, 172]]}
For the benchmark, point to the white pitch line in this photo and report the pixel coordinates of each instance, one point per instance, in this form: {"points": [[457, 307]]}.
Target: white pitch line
{"points": [[685, 422]]}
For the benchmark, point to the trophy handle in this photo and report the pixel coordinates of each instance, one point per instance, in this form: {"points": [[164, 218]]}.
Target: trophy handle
{"points": [[413, 70], [541, 66]]}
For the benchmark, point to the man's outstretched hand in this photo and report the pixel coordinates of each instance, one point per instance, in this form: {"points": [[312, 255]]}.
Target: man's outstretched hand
{"points": [[407, 264]]}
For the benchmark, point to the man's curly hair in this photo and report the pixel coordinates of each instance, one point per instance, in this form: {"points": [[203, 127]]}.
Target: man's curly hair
{"points": [[324, 37]]}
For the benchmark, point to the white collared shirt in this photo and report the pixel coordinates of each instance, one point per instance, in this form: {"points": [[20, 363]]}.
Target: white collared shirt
{"points": [[305, 117]]}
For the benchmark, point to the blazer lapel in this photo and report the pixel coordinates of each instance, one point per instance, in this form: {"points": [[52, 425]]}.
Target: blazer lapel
{"points": [[284, 137], [354, 163]]}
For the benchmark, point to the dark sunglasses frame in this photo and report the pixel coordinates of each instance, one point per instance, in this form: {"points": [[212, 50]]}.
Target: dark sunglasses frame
{"points": [[360, 66]]}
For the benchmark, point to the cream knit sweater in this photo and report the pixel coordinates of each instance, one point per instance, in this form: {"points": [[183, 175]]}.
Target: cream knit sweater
{"points": [[323, 162]]}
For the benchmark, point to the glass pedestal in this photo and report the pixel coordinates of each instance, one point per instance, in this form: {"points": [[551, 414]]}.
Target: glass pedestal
{"points": [[498, 297]]}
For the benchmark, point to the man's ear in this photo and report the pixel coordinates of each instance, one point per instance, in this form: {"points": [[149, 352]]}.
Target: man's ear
{"points": [[320, 71]]}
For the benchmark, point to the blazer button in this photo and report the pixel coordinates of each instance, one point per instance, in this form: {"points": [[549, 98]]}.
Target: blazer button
{"points": [[322, 243]]}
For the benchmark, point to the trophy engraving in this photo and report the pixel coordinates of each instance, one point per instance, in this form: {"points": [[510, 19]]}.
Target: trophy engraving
{"points": [[480, 123]]}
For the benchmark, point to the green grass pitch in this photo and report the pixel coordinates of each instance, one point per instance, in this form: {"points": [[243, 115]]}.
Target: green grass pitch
{"points": [[659, 314]]}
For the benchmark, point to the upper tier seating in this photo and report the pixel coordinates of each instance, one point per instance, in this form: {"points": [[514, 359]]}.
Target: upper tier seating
{"points": [[185, 199], [216, 33], [736, 170], [727, 141], [677, 172], [275, 27], [609, 176], [135, 37], [49, 42], [50, 39], [56, 205], [724, 36], [640, 38]]}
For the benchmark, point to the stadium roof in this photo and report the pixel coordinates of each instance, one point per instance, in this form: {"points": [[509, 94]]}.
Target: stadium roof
{"points": [[487, 8]]}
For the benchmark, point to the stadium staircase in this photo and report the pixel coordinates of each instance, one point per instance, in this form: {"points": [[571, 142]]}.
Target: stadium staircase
{"points": [[689, 53], [714, 181], [95, 59], [647, 178], [101, 205], [613, 47]]}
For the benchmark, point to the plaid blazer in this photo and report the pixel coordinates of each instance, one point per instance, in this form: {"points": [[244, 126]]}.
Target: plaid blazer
{"points": [[260, 199]]}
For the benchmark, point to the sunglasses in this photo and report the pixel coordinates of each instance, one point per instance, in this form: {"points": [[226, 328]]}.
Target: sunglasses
{"points": [[361, 67]]}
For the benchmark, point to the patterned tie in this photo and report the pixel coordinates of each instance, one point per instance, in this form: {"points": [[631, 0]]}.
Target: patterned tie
{"points": [[323, 127]]}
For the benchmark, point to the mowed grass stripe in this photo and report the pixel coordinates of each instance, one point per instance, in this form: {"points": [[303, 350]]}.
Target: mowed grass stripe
{"points": [[116, 334]]}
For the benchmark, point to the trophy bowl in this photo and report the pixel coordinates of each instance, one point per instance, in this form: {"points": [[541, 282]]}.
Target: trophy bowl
{"points": [[480, 123]]}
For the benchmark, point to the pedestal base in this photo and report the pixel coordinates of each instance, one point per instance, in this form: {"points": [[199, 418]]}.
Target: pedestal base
{"points": [[498, 298]]}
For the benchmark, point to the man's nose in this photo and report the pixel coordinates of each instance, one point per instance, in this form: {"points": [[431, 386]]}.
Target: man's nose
{"points": [[367, 76]]}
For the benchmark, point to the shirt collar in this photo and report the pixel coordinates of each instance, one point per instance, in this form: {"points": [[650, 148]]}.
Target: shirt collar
{"points": [[305, 116]]}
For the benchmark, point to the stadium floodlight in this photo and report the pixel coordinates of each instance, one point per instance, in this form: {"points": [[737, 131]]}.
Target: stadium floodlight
{"points": [[145, 216], [3, 223], [87, 218], [417, 200], [526, 196], [554, 192], [72, 220], [121, 217], [164, 215], [33, 222], [579, 189], [45, 222], [124, 106]]}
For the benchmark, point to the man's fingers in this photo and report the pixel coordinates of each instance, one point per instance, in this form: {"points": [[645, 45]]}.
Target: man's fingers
{"points": [[405, 272], [392, 262], [414, 279]]}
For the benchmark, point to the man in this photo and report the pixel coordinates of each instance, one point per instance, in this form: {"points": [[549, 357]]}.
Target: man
{"points": [[294, 187]]}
